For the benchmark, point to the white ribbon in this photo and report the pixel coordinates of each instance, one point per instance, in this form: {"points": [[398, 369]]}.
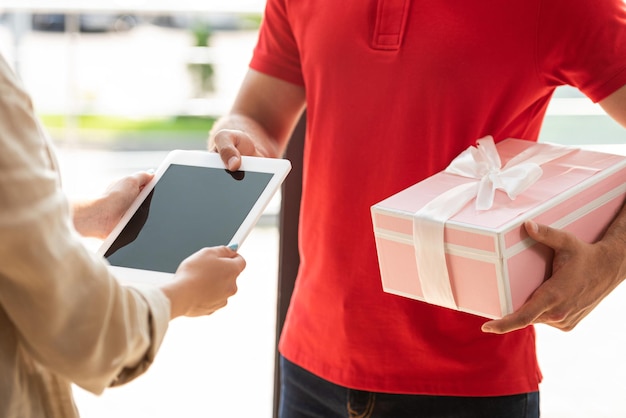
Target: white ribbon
{"points": [[483, 164]]}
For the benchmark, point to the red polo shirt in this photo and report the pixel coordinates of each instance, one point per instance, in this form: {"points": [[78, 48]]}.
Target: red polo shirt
{"points": [[395, 90]]}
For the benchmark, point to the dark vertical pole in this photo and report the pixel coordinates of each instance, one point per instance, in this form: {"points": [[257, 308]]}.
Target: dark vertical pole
{"points": [[289, 257]]}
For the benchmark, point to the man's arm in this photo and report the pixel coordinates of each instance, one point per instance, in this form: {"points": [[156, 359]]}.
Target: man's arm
{"points": [[583, 274], [264, 114]]}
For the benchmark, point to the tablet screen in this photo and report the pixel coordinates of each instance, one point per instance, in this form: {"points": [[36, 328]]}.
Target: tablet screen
{"points": [[189, 208]]}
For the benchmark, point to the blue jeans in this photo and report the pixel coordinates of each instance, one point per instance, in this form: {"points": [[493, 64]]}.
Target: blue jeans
{"points": [[304, 395]]}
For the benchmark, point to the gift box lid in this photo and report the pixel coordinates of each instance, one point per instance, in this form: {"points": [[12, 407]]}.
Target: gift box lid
{"points": [[561, 178]]}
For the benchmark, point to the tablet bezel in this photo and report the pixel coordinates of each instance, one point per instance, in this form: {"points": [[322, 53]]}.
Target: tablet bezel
{"points": [[279, 168]]}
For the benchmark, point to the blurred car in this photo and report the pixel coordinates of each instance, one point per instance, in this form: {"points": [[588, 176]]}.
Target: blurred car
{"points": [[214, 21], [97, 22]]}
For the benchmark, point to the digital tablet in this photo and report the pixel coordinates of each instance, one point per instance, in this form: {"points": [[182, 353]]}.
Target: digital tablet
{"points": [[192, 202]]}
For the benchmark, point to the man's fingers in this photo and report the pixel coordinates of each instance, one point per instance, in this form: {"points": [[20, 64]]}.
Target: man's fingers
{"points": [[564, 299], [537, 305], [509, 323], [225, 142], [232, 144], [553, 238], [523, 317], [231, 157]]}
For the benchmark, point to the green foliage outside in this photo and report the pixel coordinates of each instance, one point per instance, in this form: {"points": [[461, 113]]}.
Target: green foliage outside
{"points": [[115, 132], [202, 73], [115, 123]]}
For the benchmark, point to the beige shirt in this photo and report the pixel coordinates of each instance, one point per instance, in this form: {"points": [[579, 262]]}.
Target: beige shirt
{"points": [[63, 318]]}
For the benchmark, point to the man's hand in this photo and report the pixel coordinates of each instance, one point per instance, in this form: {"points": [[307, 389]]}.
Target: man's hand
{"points": [[261, 120], [231, 144], [582, 275]]}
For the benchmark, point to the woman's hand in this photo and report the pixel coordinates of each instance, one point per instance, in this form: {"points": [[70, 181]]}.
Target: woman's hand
{"points": [[204, 281], [97, 218]]}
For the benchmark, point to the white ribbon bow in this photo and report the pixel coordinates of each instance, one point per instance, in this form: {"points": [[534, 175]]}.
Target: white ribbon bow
{"points": [[483, 164]]}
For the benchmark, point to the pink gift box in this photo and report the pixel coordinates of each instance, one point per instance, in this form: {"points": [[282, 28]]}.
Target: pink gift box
{"points": [[492, 264]]}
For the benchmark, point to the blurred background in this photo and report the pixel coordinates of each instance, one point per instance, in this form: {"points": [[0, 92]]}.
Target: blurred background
{"points": [[120, 83], [129, 78]]}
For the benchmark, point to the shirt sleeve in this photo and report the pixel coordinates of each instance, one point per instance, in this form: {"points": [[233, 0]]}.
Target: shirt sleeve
{"points": [[70, 313], [276, 53], [583, 44]]}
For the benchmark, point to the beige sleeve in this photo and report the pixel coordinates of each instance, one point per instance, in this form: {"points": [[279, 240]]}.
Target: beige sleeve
{"points": [[72, 316]]}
